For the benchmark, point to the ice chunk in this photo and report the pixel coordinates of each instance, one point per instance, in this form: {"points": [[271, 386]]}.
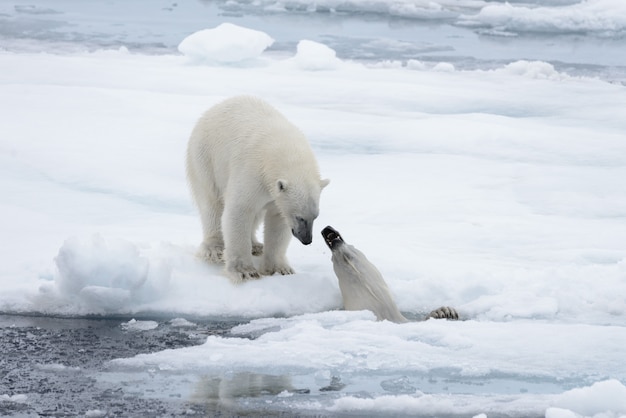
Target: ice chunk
{"points": [[57, 368], [225, 44], [19, 398], [415, 65], [96, 262], [93, 413], [134, 325], [100, 276], [315, 56], [532, 69], [182, 323], [105, 298], [444, 67]]}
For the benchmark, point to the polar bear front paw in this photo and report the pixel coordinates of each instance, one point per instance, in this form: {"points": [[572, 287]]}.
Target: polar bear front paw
{"points": [[284, 269], [211, 253], [239, 274], [445, 312]]}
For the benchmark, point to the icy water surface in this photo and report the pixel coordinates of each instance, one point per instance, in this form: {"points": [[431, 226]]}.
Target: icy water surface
{"points": [[61, 367], [158, 27], [57, 366]]}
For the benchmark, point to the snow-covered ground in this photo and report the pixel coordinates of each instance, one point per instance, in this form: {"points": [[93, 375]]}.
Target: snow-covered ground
{"points": [[499, 191]]}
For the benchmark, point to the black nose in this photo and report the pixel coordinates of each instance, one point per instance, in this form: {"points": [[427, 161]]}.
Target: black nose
{"points": [[332, 237], [303, 230]]}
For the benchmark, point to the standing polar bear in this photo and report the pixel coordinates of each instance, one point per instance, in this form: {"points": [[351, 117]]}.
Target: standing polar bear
{"points": [[247, 163]]}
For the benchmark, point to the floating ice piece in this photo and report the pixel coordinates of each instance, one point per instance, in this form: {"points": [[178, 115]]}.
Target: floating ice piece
{"points": [[314, 56], [19, 398], [94, 413], [444, 67], [182, 323], [415, 65], [533, 69], [225, 44], [134, 325], [57, 368]]}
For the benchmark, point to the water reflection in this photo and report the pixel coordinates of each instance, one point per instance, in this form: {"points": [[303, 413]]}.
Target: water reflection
{"points": [[225, 391]]}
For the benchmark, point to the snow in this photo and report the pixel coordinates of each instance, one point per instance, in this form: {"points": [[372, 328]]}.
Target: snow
{"points": [[341, 341], [498, 191], [601, 397], [593, 404], [560, 413]]}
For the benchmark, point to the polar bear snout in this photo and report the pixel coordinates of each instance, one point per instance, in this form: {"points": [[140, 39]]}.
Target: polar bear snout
{"points": [[332, 237], [303, 230]]}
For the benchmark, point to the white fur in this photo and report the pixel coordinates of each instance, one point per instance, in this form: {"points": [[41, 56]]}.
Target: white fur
{"points": [[362, 286], [246, 163]]}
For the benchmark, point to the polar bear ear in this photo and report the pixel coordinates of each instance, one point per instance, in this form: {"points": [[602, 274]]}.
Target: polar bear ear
{"points": [[281, 185], [324, 183]]}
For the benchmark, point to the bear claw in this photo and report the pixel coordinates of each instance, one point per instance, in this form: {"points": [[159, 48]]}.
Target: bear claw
{"points": [[445, 312], [252, 275], [284, 270], [213, 255], [244, 276]]}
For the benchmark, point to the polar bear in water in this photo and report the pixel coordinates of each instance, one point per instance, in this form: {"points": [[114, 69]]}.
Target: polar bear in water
{"points": [[361, 284], [246, 163]]}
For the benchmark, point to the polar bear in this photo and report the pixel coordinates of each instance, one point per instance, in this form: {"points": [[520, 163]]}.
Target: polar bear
{"points": [[247, 163], [363, 287]]}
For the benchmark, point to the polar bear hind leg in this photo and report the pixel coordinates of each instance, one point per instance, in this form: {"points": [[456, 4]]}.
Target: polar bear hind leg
{"points": [[211, 209]]}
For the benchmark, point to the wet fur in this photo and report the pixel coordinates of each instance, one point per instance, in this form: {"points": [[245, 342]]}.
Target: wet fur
{"points": [[363, 287]]}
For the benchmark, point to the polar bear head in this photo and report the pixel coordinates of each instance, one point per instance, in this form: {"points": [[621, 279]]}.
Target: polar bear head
{"points": [[298, 202]]}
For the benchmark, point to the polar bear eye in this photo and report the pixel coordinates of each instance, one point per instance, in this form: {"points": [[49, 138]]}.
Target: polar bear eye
{"points": [[282, 185]]}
